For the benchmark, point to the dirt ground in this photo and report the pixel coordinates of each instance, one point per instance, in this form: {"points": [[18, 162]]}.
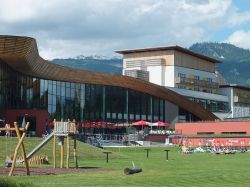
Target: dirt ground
{"points": [[48, 171]]}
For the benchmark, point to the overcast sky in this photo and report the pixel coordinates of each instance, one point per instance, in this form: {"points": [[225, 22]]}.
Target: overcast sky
{"points": [[67, 28]]}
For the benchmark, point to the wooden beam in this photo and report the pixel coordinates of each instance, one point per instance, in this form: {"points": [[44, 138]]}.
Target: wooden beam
{"points": [[68, 144], [75, 148], [17, 148], [62, 152], [68, 151], [54, 151], [11, 129], [23, 148]]}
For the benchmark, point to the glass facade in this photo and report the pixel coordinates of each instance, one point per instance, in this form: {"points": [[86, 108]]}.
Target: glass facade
{"points": [[211, 105], [83, 102]]}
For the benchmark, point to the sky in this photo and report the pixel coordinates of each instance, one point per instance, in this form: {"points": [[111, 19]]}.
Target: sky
{"points": [[68, 28]]}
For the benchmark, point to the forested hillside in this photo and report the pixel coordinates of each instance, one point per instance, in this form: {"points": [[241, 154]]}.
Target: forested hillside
{"points": [[235, 64]]}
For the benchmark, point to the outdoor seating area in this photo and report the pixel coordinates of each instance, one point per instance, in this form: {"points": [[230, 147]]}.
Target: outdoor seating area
{"points": [[214, 150], [105, 133]]}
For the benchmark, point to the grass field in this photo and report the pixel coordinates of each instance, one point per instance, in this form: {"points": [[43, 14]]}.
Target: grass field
{"points": [[198, 169]]}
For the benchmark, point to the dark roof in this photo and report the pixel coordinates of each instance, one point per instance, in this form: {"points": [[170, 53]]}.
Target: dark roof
{"points": [[235, 86], [21, 54], [177, 48]]}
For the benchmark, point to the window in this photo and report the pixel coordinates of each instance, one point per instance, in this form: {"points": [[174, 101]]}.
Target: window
{"points": [[196, 77], [181, 87], [196, 88], [209, 80], [182, 75]]}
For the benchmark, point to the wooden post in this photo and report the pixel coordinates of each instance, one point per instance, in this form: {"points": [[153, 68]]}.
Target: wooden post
{"points": [[17, 147], [75, 150], [62, 151], [68, 144], [54, 144], [54, 151], [23, 148]]}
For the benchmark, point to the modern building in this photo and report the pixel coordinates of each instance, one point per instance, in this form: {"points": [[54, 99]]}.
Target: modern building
{"points": [[41, 90], [187, 73], [239, 100]]}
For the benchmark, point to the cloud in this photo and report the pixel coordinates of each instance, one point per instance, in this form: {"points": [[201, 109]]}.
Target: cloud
{"points": [[73, 48], [240, 38], [66, 28]]}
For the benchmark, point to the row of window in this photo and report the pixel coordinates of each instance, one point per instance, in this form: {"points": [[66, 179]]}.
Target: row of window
{"points": [[211, 105], [195, 77], [195, 88]]}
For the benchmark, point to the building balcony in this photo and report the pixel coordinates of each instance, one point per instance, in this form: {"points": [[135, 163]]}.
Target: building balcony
{"points": [[195, 82]]}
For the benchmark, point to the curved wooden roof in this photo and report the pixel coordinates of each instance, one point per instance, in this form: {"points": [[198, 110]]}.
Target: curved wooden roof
{"points": [[22, 55]]}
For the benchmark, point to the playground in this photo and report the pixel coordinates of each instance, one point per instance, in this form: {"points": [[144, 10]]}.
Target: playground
{"points": [[62, 130]]}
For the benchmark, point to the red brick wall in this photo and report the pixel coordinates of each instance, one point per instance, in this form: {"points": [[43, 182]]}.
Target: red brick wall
{"points": [[156, 138], [11, 115], [213, 127]]}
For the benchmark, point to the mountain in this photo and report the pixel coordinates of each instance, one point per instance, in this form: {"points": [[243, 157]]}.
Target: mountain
{"points": [[235, 61], [93, 63]]}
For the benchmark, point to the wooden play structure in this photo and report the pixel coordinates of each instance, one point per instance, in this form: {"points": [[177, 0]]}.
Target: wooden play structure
{"points": [[61, 131], [20, 143], [34, 160], [64, 130]]}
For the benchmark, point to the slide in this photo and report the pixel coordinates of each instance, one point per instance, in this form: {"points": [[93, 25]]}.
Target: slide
{"points": [[39, 146]]}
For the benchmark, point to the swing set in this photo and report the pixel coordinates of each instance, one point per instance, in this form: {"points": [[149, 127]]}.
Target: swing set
{"points": [[20, 137]]}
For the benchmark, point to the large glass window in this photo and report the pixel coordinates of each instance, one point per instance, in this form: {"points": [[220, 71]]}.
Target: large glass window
{"points": [[83, 102]]}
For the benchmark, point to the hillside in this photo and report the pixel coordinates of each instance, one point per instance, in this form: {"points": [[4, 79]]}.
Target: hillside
{"points": [[235, 61], [93, 63]]}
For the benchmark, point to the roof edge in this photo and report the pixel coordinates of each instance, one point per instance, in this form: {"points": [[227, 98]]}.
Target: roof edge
{"points": [[174, 47]]}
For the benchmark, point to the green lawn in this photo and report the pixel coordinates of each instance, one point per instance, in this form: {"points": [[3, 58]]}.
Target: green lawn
{"points": [[198, 169]]}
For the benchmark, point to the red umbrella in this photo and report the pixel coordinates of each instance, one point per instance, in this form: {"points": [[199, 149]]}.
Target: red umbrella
{"points": [[100, 124], [160, 124], [140, 123]]}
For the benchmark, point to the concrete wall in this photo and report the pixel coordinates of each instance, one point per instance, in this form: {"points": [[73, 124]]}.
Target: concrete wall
{"points": [[172, 113], [169, 75], [155, 74]]}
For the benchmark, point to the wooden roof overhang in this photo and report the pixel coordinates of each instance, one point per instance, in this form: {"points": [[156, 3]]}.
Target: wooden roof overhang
{"points": [[21, 54]]}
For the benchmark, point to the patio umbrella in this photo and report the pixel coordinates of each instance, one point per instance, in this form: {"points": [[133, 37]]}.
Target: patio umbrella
{"points": [[160, 124], [141, 123]]}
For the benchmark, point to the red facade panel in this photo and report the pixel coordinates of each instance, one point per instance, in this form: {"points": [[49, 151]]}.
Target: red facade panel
{"points": [[39, 116], [226, 127]]}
